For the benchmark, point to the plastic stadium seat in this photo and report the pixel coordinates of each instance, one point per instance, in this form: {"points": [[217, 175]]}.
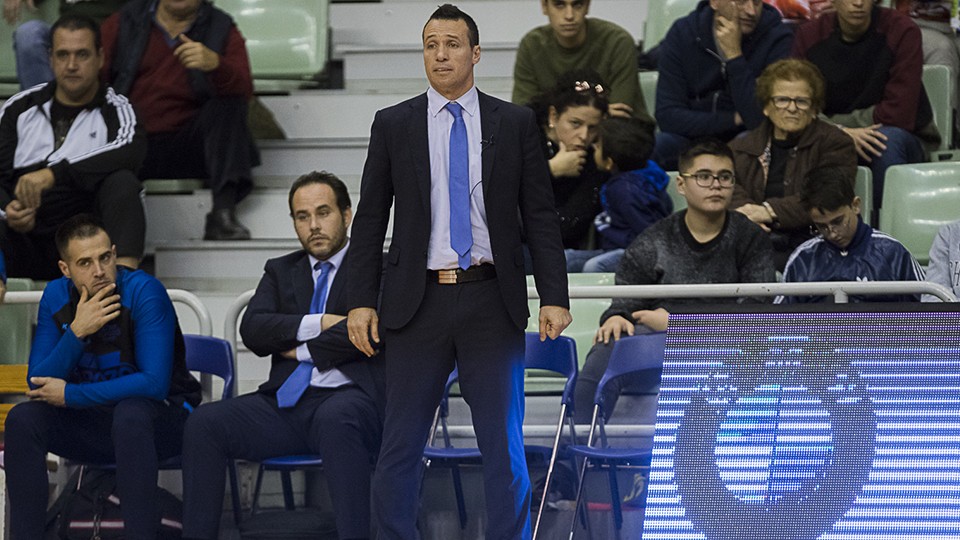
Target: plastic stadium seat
{"points": [[864, 190], [938, 82], [285, 38], [660, 17], [648, 86], [586, 311], [920, 198], [16, 329]]}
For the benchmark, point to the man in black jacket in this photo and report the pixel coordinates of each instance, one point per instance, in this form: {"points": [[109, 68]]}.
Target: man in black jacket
{"points": [[323, 396]]}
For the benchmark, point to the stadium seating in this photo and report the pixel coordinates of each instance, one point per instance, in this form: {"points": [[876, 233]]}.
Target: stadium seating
{"points": [[660, 17], [15, 326], [864, 190], [648, 87], [938, 82], [920, 198], [287, 39]]}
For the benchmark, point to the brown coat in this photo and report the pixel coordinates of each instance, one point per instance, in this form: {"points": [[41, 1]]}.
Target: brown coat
{"points": [[820, 145]]}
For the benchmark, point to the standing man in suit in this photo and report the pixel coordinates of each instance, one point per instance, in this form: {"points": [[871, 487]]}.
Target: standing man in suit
{"points": [[322, 397], [469, 179]]}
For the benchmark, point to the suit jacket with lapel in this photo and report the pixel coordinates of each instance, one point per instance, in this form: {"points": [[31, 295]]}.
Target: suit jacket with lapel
{"points": [[518, 200], [270, 324]]}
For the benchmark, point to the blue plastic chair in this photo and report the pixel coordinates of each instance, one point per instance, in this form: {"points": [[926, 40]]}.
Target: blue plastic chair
{"points": [[285, 465], [558, 356], [210, 356], [630, 355]]}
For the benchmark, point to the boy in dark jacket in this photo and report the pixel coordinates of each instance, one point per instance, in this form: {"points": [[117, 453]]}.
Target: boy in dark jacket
{"points": [[635, 197]]}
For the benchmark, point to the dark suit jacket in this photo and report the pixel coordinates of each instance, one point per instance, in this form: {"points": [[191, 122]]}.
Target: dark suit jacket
{"points": [[270, 324], [517, 197]]}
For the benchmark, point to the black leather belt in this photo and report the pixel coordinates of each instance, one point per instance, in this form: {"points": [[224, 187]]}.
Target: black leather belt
{"points": [[479, 272]]}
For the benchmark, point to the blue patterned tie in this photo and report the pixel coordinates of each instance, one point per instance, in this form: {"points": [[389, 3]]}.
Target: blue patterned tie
{"points": [[461, 236], [296, 384]]}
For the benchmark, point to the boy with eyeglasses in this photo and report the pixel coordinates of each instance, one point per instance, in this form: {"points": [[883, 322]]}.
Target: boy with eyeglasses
{"points": [[705, 243], [846, 249]]}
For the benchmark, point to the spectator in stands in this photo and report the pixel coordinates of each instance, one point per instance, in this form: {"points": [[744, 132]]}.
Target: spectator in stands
{"points": [[568, 116], [772, 161], [67, 147], [184, 66], [108, 383], [709, 63], [847, 249], [323, 395], [872, 62], [635, 197], [31, 40], [944, 266], [3, 277], [706, 243], [572, 41]]}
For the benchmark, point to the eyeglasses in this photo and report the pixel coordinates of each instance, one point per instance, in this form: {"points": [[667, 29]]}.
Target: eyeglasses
{"points": [[834, 226], [705, 178], [587, 86], [782, 102]]}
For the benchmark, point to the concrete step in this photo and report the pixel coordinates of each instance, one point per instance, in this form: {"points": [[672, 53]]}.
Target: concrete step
{"points": [[292, 157]]}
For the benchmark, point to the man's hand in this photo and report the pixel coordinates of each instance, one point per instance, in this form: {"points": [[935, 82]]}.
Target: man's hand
{"points": [[869, 141], [329, 319], [12, 8], [361, 326], [3, 291], [291, 354], [819, 7], [614, 327], [195, 55], [20, 218], [48, 389], [620, 109], [656, 319], [96, 311], [567, 162], [553, 319], [31, 185], [726, 29], [758, 214]]}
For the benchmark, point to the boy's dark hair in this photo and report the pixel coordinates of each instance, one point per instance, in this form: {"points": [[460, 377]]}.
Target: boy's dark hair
{"points": [[77, 22], [708, 146], [450, 12], [626, 141], [78, 226], [327, 179], [827, 189]]}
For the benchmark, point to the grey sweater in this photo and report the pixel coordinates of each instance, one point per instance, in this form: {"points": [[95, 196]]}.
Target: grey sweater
{"points": [[666, 253]]}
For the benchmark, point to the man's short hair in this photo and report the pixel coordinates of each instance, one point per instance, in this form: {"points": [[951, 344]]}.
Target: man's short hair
{"points": [[792, 69], [827, 189], [75, 21], [627, 141], [707, 146], [450, 12], [78, 226], [327, 179]]}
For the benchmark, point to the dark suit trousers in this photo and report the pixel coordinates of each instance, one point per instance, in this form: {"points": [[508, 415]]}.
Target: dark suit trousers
{"points": [[135, 434], [467, 324], [340, 424]]}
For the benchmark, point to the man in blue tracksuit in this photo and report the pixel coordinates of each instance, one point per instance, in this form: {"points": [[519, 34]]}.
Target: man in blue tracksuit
{"points": [[709, 64], [108, 383], [847, 249]]}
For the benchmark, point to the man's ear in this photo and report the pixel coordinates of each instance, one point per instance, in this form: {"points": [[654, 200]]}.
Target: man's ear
{"points": [[681, 185], [856, 204], [64, 269]]}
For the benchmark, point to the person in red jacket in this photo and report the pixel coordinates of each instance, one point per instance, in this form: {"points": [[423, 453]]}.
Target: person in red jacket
{"points": [[184, 66]]}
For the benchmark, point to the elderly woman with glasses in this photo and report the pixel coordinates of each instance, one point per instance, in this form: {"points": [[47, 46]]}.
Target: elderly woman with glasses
{"points": [[772, 161]]}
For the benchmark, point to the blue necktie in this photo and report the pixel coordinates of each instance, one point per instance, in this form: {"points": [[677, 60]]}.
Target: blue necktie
{"points": [[461, 236], [296, 384]]}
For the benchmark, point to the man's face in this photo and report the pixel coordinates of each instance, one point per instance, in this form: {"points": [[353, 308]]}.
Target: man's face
{"points": [[568, 19], [854, 16], [76, 65], [713, 196], [746, 12], [90, 262], [448, 57], [837, 226], [321, 227]]}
